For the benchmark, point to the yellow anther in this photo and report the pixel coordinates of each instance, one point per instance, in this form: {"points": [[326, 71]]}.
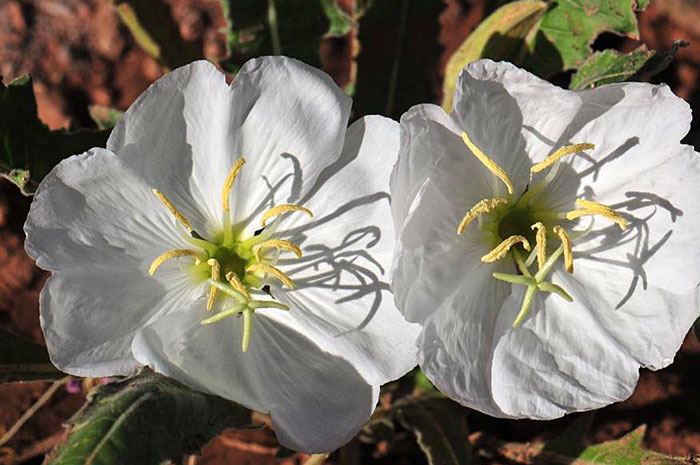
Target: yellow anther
{"points": [[488, 163], [566, 243], [484, 206], [595, 208], [168, 255], [284, 208], [280, 244], [561, 152], [502, 249], [273, 271], [236, 283], [228, 184], [169, 205], [541, 240], [215, 275]]}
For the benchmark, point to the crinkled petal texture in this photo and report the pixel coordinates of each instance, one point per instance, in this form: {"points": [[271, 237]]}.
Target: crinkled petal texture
{"points": [[635, 292], [317, 401], [96, 224]]}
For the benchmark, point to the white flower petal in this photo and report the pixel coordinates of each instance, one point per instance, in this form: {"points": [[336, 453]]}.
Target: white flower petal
{"points": [[648, 321], [341, 300], [457, 340], [184, 133], [178, 136], [89, 319], [318, 402], [91, 213], [289, 123], [418, 157], [640, 169], [431, 256], [561, 359], [511, 115]]}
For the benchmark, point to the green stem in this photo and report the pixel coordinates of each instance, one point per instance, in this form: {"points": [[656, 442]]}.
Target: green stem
{"points": [[225, 288], [274, 28], [527, 304], [520, 262], [238, 308], [515, 279], [247, 328], [551, 287], [547, 267], [255, 304]]}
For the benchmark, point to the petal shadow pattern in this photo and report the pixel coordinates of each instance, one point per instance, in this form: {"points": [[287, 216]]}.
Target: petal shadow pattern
{"points": [[634, 284]]}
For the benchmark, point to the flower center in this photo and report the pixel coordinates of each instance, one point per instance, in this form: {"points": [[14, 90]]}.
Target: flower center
{"points": [[231, 265], [516, 226]]}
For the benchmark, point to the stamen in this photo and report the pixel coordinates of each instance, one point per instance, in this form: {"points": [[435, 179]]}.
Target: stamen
{"points": [[566, 243], [561, 152], [484, 206], [228, 184], [273, 271], [236, 283], [281, 244], [171, 254], [502, 249], [488, 163], [215, 275], [284, 208], [169, 205], [595, 208], [541, 240]]}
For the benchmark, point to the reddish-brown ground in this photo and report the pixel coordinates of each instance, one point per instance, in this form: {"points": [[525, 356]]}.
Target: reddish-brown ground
{"points": [[80, 54]]}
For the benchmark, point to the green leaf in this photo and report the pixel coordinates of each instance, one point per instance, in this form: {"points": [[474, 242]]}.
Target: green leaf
{"points": [[569, 28], [627, 450], [396, 66], [279, 27], [105, 117], [501, 36], [340, 23], [440, 428], [152, 25], [144, 420], [610, 66], [21, 360], [28, 149]]}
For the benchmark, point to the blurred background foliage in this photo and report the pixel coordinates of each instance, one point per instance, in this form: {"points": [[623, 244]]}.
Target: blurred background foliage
{"points": [[88, 60]]}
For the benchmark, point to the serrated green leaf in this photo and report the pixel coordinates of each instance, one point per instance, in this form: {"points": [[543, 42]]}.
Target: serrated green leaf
{"points": [[501, 36], [28, 149], [144, 421], [396, 65], [281, 27], [105, 117], [440, 428], [569, 28], [627, 450], [21, 360], [610, 66], [154, 29]]}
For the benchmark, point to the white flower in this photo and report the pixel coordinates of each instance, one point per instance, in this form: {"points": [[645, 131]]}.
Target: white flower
{"points": [[596, 186], [245, 177]]}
